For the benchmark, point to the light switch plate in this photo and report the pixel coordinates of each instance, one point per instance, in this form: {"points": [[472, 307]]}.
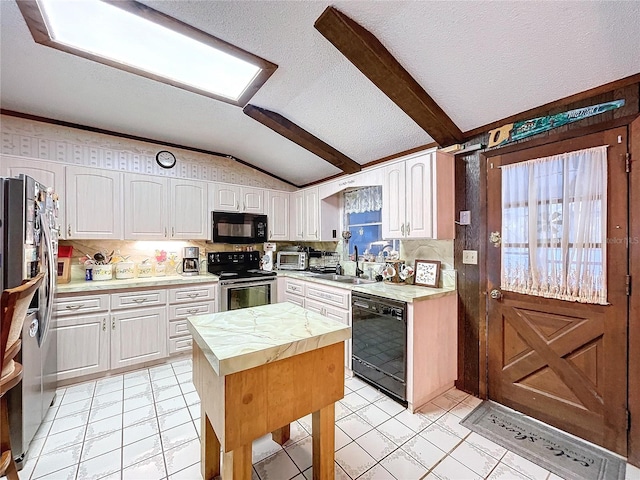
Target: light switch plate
{"points": [[470, 257], [465, 217]]}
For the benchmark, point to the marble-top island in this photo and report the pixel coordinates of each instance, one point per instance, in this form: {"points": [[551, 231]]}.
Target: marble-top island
{"points": [[258, 369]]}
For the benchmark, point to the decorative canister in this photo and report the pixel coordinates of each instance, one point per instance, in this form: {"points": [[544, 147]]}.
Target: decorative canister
{"points": [[103, 272], [144, 269], [161, 269], [125, 270]]}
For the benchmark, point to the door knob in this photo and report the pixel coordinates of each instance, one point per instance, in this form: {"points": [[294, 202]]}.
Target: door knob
{"points": [[495, 294]]}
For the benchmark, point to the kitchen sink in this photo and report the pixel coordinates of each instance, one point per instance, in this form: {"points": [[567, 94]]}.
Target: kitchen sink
{"points": [[343, 278]]}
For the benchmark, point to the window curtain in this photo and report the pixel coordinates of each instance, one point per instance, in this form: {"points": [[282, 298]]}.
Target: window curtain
{"points": [[367, 199], [554, 218]]}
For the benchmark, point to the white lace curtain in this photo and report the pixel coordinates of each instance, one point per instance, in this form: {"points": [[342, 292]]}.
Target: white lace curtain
{"points": [[554, 218], [367, 199]]}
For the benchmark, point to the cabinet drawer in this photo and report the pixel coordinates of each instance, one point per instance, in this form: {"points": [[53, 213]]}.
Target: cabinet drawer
{"points": [[178, 328], [333, 313], [80, 305], [297, 288], [182, 344], [295, 299], [183, 311], [147, 298], [327, 295], [194, 293]]}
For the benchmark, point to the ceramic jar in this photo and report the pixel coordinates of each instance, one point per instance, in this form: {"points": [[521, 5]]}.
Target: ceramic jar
{"points": [[144, 270], [103, 272], [125, 270]]}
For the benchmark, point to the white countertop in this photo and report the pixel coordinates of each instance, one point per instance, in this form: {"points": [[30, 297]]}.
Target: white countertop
{"points": [[241, 339], [401, 292], [78, 285]]}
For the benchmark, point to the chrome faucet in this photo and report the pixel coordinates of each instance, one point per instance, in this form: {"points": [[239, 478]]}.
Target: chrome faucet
{"points": [[358, 271]]}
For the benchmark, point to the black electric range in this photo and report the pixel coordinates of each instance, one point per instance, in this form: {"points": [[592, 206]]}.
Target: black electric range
{"points": [[236, 266]]}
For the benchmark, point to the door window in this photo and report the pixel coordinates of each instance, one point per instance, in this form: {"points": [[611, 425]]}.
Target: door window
{"points": [[554, 223]]}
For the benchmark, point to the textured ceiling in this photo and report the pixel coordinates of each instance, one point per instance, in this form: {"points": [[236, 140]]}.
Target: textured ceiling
{"points": [[480, 61]]}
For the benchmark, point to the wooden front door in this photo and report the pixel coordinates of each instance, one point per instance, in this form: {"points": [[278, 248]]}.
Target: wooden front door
{"points": [[563, 362]]}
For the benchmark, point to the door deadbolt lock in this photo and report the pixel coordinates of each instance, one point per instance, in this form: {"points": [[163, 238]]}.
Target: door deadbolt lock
{"points": [[496, 294]]}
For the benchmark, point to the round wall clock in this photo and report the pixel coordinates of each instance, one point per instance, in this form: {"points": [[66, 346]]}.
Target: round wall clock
{"points": [[165, 159]]}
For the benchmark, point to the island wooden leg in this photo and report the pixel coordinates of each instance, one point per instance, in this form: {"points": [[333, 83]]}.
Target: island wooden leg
{"points": [[209, 449], [236, 464], [282, 435], [323, 446]]}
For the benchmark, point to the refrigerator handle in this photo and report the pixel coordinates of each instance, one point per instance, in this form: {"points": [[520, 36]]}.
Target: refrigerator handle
{"points": [[51, 267]]}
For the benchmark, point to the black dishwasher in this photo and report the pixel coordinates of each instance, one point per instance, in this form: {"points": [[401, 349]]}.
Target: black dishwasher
{"points": [[379, 342]]}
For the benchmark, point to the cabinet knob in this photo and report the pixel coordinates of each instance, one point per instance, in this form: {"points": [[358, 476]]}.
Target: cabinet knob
{"points": [[165, 232], [104, 325], [402, 229], [173, 231], [113, 324], [69, 230], [408, 229]]}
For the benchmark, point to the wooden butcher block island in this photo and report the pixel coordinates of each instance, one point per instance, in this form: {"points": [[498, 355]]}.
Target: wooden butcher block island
{"points": [[258, 369]]}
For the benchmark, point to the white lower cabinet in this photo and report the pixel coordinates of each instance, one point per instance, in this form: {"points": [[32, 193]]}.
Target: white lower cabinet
{"points": [[83, 344], [330, 302], [138, 335], [184, 302], [102, 332]]}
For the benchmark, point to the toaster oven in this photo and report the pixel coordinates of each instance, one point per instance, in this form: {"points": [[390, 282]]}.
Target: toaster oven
{"points": [[292, 261]]}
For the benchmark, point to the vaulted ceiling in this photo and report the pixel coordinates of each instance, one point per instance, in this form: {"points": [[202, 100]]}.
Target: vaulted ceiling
{"points": [[479, 61]]}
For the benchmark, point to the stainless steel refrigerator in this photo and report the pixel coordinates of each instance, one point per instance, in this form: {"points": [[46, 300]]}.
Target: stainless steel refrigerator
{"points": [[28, 246]]}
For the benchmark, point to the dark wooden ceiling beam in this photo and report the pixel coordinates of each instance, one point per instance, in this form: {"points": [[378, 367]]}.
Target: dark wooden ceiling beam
{"points": [[366, 52], [300, 136]]}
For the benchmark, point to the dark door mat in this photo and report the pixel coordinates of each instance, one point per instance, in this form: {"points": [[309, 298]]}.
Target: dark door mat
{"points": [[559, 453]]}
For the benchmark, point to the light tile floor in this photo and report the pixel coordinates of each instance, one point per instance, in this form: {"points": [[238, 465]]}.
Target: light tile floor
{"points": [[145, 425]]}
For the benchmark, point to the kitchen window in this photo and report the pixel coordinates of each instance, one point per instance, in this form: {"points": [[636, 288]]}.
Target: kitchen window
{"points": [[363, 218], [133, 37]]}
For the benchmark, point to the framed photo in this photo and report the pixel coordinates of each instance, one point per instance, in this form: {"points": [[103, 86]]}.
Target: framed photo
{"points": [[64, 269], [427, 273]]}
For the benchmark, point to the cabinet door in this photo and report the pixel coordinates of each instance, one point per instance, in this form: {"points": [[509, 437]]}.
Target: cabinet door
{"points": [[278, 215], [93, 203], [393, 201], [226, 198], [311, 214], [189, 214], [83, 345], [419, 196], [296, 300], [48, 173], [146, 207], [252, 200], [297, 216], [138, 335]]}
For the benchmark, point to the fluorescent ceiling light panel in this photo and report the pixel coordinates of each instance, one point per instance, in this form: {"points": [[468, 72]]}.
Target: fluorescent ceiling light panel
{"points": [[115, 34]]}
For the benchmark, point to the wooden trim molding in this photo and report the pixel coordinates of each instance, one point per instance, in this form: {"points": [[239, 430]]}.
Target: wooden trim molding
{"points": [[137, 138], [301, 137], [369, 56], [37, 26], [634, 305]]}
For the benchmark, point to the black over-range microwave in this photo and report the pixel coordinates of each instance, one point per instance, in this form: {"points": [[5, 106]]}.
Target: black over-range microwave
{"points": [[238, 228]]}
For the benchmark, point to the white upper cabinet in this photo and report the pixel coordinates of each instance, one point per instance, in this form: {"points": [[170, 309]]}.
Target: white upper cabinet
{"points": [[188, 211], [234, 198], [418, 197], [50, 174], [93, 203], [146, 207], [311, 214], [278, 215], [297, 216]]}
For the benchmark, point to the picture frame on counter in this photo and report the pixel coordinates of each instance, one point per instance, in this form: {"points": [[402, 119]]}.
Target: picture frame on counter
{"points": [[427, 273], [64, 270]]}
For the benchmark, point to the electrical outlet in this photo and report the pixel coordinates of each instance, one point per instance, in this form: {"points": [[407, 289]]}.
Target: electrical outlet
{"points": [[470, 257], [465, 217]]}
